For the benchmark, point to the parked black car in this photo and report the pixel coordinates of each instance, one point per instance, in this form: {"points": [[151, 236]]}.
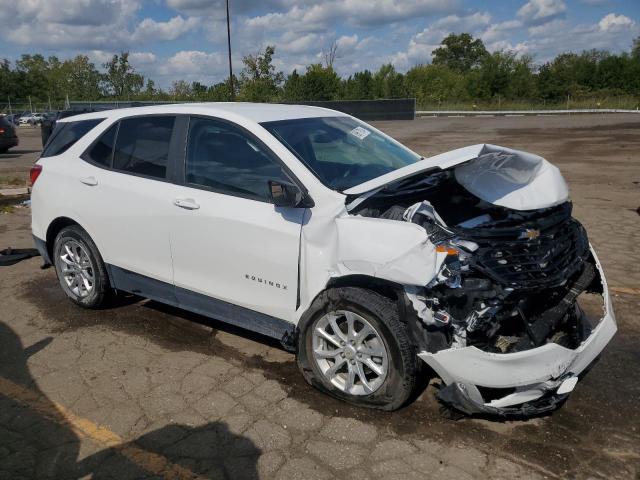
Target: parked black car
{"points": [[8, 135]]}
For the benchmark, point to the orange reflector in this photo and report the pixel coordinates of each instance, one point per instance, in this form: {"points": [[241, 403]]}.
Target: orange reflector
{"points": [[447, 250]]}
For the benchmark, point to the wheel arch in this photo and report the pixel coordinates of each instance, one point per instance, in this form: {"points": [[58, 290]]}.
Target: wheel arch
{"points": [[386, 288], [393, 291], [54, 228]]}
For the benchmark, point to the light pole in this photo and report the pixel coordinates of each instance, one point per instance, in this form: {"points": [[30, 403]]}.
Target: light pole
{"points": [[229, 46]]}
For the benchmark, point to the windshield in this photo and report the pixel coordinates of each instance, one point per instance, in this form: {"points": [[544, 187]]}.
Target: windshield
{"points": [[342, 152]]}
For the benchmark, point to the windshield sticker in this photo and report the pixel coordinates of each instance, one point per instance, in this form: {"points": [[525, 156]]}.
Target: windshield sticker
{"points": [[360, 132]]}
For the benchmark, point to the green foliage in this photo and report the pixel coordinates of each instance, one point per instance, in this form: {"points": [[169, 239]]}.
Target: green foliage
{"points": [[460, 52], [319, 83], [79, 79], [387, 83], [259, 81], [635, 49], [431, 84], [462, 73], [121, 80], [359, 86], [292, 88]]}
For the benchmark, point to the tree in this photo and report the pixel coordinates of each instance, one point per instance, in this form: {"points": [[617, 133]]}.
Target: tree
{"points": [[121, 80], [359, 86], [259, 80], [387, 83], [635, 49], [459, 52], [8, 80], [181, 90], [81, 79], [150, 89], [292, 88], [330, 54], [220, 92], [33, 76], [319, 83], [432, 84]]}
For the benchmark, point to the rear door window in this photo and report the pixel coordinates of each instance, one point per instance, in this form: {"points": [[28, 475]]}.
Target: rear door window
{"points": [[66, 134], [142, 146]]}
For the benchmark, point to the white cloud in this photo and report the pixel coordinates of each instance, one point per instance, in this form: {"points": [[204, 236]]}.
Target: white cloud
{"points": [[346, 44], [189, 63], [85, 24], [422, 44], [142, 58], [317, 17], [612, 32], [149, 30], [536, 12], [295, 44], [615, 23]]}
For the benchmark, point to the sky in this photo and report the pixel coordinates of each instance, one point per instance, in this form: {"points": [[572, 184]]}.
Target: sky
{"points": [[187, 39]]}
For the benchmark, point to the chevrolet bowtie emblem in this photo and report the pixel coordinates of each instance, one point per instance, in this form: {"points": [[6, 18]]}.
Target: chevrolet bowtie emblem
{"points": [[530, 234]]}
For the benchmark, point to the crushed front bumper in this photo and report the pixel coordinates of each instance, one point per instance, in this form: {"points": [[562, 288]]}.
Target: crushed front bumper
{"points": [[536, 380]]}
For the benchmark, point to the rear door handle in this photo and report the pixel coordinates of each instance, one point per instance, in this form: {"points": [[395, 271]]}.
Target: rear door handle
{"points": [[186, 203], [91, 181]]}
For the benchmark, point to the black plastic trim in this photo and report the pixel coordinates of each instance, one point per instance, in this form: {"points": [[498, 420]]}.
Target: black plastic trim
{"points": [[211, 307], [41, 245]]}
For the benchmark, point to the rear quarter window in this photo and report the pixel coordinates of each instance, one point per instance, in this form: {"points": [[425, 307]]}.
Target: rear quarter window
{"points": [[65, 134]]}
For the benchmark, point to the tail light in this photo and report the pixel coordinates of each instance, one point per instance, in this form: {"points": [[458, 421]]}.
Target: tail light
{"points": [[2, 131], [34, 173]]}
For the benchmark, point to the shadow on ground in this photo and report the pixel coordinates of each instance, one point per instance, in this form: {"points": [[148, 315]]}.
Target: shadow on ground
{"points": [[37, 439]]}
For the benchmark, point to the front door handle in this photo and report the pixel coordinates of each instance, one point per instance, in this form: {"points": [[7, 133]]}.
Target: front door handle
{"points": [[91, 181], [186, 203]]}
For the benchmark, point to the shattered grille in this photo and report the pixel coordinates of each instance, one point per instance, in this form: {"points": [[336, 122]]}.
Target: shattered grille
{"points": [[546, 261]]}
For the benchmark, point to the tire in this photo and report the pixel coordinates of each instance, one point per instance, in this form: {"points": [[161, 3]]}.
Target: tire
{"points": [[92, 288], [384, 392], [4, 150]]}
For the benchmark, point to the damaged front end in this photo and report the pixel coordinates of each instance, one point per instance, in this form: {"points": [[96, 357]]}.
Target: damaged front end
{"points": [[508, 321]]}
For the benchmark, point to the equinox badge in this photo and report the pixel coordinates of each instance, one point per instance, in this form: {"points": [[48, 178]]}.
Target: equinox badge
{"points": [[265, 282]]}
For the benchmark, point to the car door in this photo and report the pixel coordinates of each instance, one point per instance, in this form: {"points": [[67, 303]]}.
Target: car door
{"points": [[126, 196], [228, 241]]}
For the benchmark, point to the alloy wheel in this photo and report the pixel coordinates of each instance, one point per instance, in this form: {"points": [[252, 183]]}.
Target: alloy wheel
{"points": [[75, 267], [350, 352]]}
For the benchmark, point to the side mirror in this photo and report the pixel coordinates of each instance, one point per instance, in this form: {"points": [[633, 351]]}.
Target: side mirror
{"points": [[285, 194]]}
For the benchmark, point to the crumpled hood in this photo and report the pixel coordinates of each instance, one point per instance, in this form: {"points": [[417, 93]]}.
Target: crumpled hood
{"points": [[499, 175]]}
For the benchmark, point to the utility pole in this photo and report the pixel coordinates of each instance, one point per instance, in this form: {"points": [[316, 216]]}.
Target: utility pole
{"points": [[229, 45], [10, 111]]}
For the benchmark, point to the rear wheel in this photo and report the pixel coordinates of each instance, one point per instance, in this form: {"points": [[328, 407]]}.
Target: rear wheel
{"points": [[353, 346], [79, 267]]}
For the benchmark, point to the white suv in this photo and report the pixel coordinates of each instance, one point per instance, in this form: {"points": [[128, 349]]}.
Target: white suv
{"points": [[307, 225]]}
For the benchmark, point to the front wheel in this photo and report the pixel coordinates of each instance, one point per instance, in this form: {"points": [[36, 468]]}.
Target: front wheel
{"points": [[353, 346], [79, 267]]}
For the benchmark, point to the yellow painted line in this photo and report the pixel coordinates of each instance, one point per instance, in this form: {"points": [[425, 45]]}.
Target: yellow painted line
{"points": [[149, 461], [630, 291]]}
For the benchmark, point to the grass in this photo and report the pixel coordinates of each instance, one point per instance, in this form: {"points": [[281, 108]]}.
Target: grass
{"points": [[623, 102], [12, 181], [7, 209]]}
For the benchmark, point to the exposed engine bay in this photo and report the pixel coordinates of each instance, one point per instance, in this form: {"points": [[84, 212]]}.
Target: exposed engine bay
{"points": [[510, 278]]}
